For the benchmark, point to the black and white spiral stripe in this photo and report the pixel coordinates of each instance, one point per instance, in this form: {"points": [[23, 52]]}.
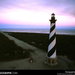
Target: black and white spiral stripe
{"points": [[52, 42]]}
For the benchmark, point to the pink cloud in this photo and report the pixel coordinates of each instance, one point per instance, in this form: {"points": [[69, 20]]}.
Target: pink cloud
{"points": [[36, 12]]}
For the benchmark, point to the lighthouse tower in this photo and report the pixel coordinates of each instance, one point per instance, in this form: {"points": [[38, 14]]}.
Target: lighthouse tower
{"points": [[51, 54]]}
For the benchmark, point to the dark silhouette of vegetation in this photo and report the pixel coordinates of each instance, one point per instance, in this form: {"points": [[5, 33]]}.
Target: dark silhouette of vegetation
{"points": [[65, 44], [10, 51]]}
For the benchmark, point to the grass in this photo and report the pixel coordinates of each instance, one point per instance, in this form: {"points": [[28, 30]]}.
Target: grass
{"points": [[10, 51], [65, 44]]}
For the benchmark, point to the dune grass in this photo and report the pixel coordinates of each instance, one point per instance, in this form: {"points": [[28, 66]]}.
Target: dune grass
{"points": [[65, 44], [10, 51]]}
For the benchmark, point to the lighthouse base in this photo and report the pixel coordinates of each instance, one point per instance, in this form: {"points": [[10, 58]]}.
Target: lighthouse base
{"points": [[51, 61]]}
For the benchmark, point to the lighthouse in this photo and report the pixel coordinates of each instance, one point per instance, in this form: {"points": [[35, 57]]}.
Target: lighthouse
{"points": [[51, 54]]}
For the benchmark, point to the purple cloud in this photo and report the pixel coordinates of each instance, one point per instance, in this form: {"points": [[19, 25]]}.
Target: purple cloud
{"points": [[61, 6]]}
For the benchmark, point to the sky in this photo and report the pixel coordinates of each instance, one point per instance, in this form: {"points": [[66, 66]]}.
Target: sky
{"points": [[36, 13]]}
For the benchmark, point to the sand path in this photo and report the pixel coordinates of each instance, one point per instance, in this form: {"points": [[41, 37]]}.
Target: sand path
{"points": [[39, 56]]}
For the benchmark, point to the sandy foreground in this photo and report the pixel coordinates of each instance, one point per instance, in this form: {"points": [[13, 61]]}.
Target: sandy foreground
{"points": [[39, 56]]}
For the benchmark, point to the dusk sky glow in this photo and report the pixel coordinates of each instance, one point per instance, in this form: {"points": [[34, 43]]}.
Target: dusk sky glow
{"points": [[36, 13]]}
